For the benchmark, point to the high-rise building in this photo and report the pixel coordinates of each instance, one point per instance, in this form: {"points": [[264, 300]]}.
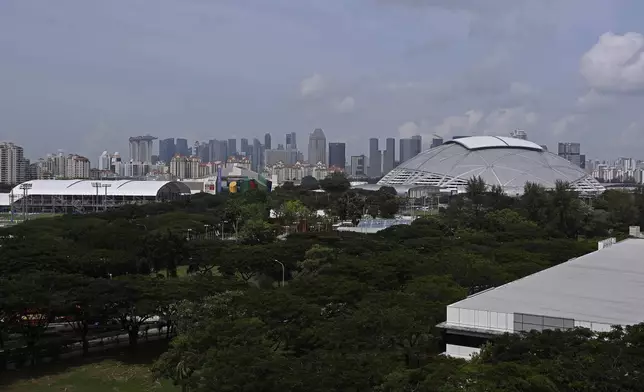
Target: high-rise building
{"points": [[257, 156], [202, 150], [166, 149], [245, 148], [389, 155], [436, 141], [317, 147], [358, 163], [291, 140], [406, 148], [182, 147], [105, 161], [12, 164], [267, 142], [375, 159], [231, 147], [519, 134], [572, 152], [219, 150], [337, 155], [417, 145], [141, 148]]}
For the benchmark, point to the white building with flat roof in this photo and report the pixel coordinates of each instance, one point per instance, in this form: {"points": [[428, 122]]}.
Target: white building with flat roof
{"points": [[595, 291]]}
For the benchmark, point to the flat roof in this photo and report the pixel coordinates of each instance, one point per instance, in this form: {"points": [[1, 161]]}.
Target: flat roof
{"points": [[481, 142], [605, 286]]}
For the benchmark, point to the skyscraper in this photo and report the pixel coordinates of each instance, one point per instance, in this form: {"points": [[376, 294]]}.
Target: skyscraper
{"points": [[257, 156], [572, 152], [219, 150], [245, 148], [389, 155], [166, 149], [406, 147], [232, 147], [181, 147], [317, 147], [12, 164], [375, 159], [436, 141], [267, 141], [337, 155], [417, 145], [291, 141], [141, 148], [358, 163]]}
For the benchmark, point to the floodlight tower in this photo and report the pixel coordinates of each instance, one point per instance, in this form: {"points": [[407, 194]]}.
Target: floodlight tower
{"points": [[25, 192]]}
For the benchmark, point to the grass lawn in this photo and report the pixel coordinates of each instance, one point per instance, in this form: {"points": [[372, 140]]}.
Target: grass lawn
{"points": [[105, 376], [117, 370]]}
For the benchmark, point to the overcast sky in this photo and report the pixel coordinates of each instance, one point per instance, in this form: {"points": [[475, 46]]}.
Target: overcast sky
{"points": [[84, 75]]}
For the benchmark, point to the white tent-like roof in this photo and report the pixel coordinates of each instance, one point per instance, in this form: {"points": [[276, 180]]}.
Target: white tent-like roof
{"points": [[119, 188]]}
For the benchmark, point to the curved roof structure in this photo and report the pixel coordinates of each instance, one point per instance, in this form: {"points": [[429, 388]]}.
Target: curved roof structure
{"points": [[128, 188], [503, 161]]}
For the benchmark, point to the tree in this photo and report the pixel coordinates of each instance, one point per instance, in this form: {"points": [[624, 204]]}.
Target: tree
{"points": [[335, 183], [309, 183], [476, 186]]}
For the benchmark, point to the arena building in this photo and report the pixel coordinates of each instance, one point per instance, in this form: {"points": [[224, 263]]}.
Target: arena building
{"points": [[81, 196], [594, 291], [503, 161]]}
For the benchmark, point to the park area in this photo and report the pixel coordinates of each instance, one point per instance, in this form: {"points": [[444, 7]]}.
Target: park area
{"points": [[116, 371]]}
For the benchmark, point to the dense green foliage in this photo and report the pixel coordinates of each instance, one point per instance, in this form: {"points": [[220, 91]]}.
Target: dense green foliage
{"points": [[357, 312]]}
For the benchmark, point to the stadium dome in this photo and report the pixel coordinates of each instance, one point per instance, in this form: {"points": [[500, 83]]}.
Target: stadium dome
{"points": [[503, 161]]}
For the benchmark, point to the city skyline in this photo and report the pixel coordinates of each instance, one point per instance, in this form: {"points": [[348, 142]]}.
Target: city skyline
{"points": [[453, 68]]}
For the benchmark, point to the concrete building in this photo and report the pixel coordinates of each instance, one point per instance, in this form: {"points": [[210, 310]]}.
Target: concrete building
{"points": [[337, 155], [282, 172], [141, 148], [245, 149], [288, 157], [572, 153], [358, 166], [257, 156], [291, 140], [375, 159], [77, 167], [13, 164], [436, 141], [389, 155], [594, 291], [317, 147]]}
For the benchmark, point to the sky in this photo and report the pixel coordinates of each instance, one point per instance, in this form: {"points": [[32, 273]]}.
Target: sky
{"points": [[84, 75]]}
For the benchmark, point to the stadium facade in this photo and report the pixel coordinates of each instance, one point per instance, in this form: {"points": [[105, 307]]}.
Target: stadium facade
{"points": [[502, 161], [594, 291]]}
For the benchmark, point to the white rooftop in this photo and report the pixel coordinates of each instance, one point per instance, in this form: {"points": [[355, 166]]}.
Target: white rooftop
{"points": [[606, 286], [480, 142]]}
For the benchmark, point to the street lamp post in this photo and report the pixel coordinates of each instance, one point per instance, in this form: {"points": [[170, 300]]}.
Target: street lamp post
{"points": [[96, 185], [105, 186], [207, 226], [283, 270], [25, 192]]}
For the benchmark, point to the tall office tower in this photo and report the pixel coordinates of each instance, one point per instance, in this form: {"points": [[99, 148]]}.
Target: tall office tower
{"points": [[406, 148], [291, 141], [231, 147], [13, 168], [436, 141], [358, 163], [417, 145], [572, 152], [218, 150], [337, 155], [245, 148], [519, 134], [317, 147], [389, 155], [141, 148], [202, 150], [280, 146], [257, 157], [375, 159], [181, 147], [267, 141], [104, 161], [166, 150]]}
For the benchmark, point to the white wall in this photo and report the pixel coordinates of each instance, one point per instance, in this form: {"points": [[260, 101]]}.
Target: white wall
{"points": [[464, 352], [482, 319]]}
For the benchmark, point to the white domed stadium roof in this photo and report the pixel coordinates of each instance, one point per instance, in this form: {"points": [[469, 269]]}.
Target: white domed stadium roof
{"points": [[503, 161]]}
